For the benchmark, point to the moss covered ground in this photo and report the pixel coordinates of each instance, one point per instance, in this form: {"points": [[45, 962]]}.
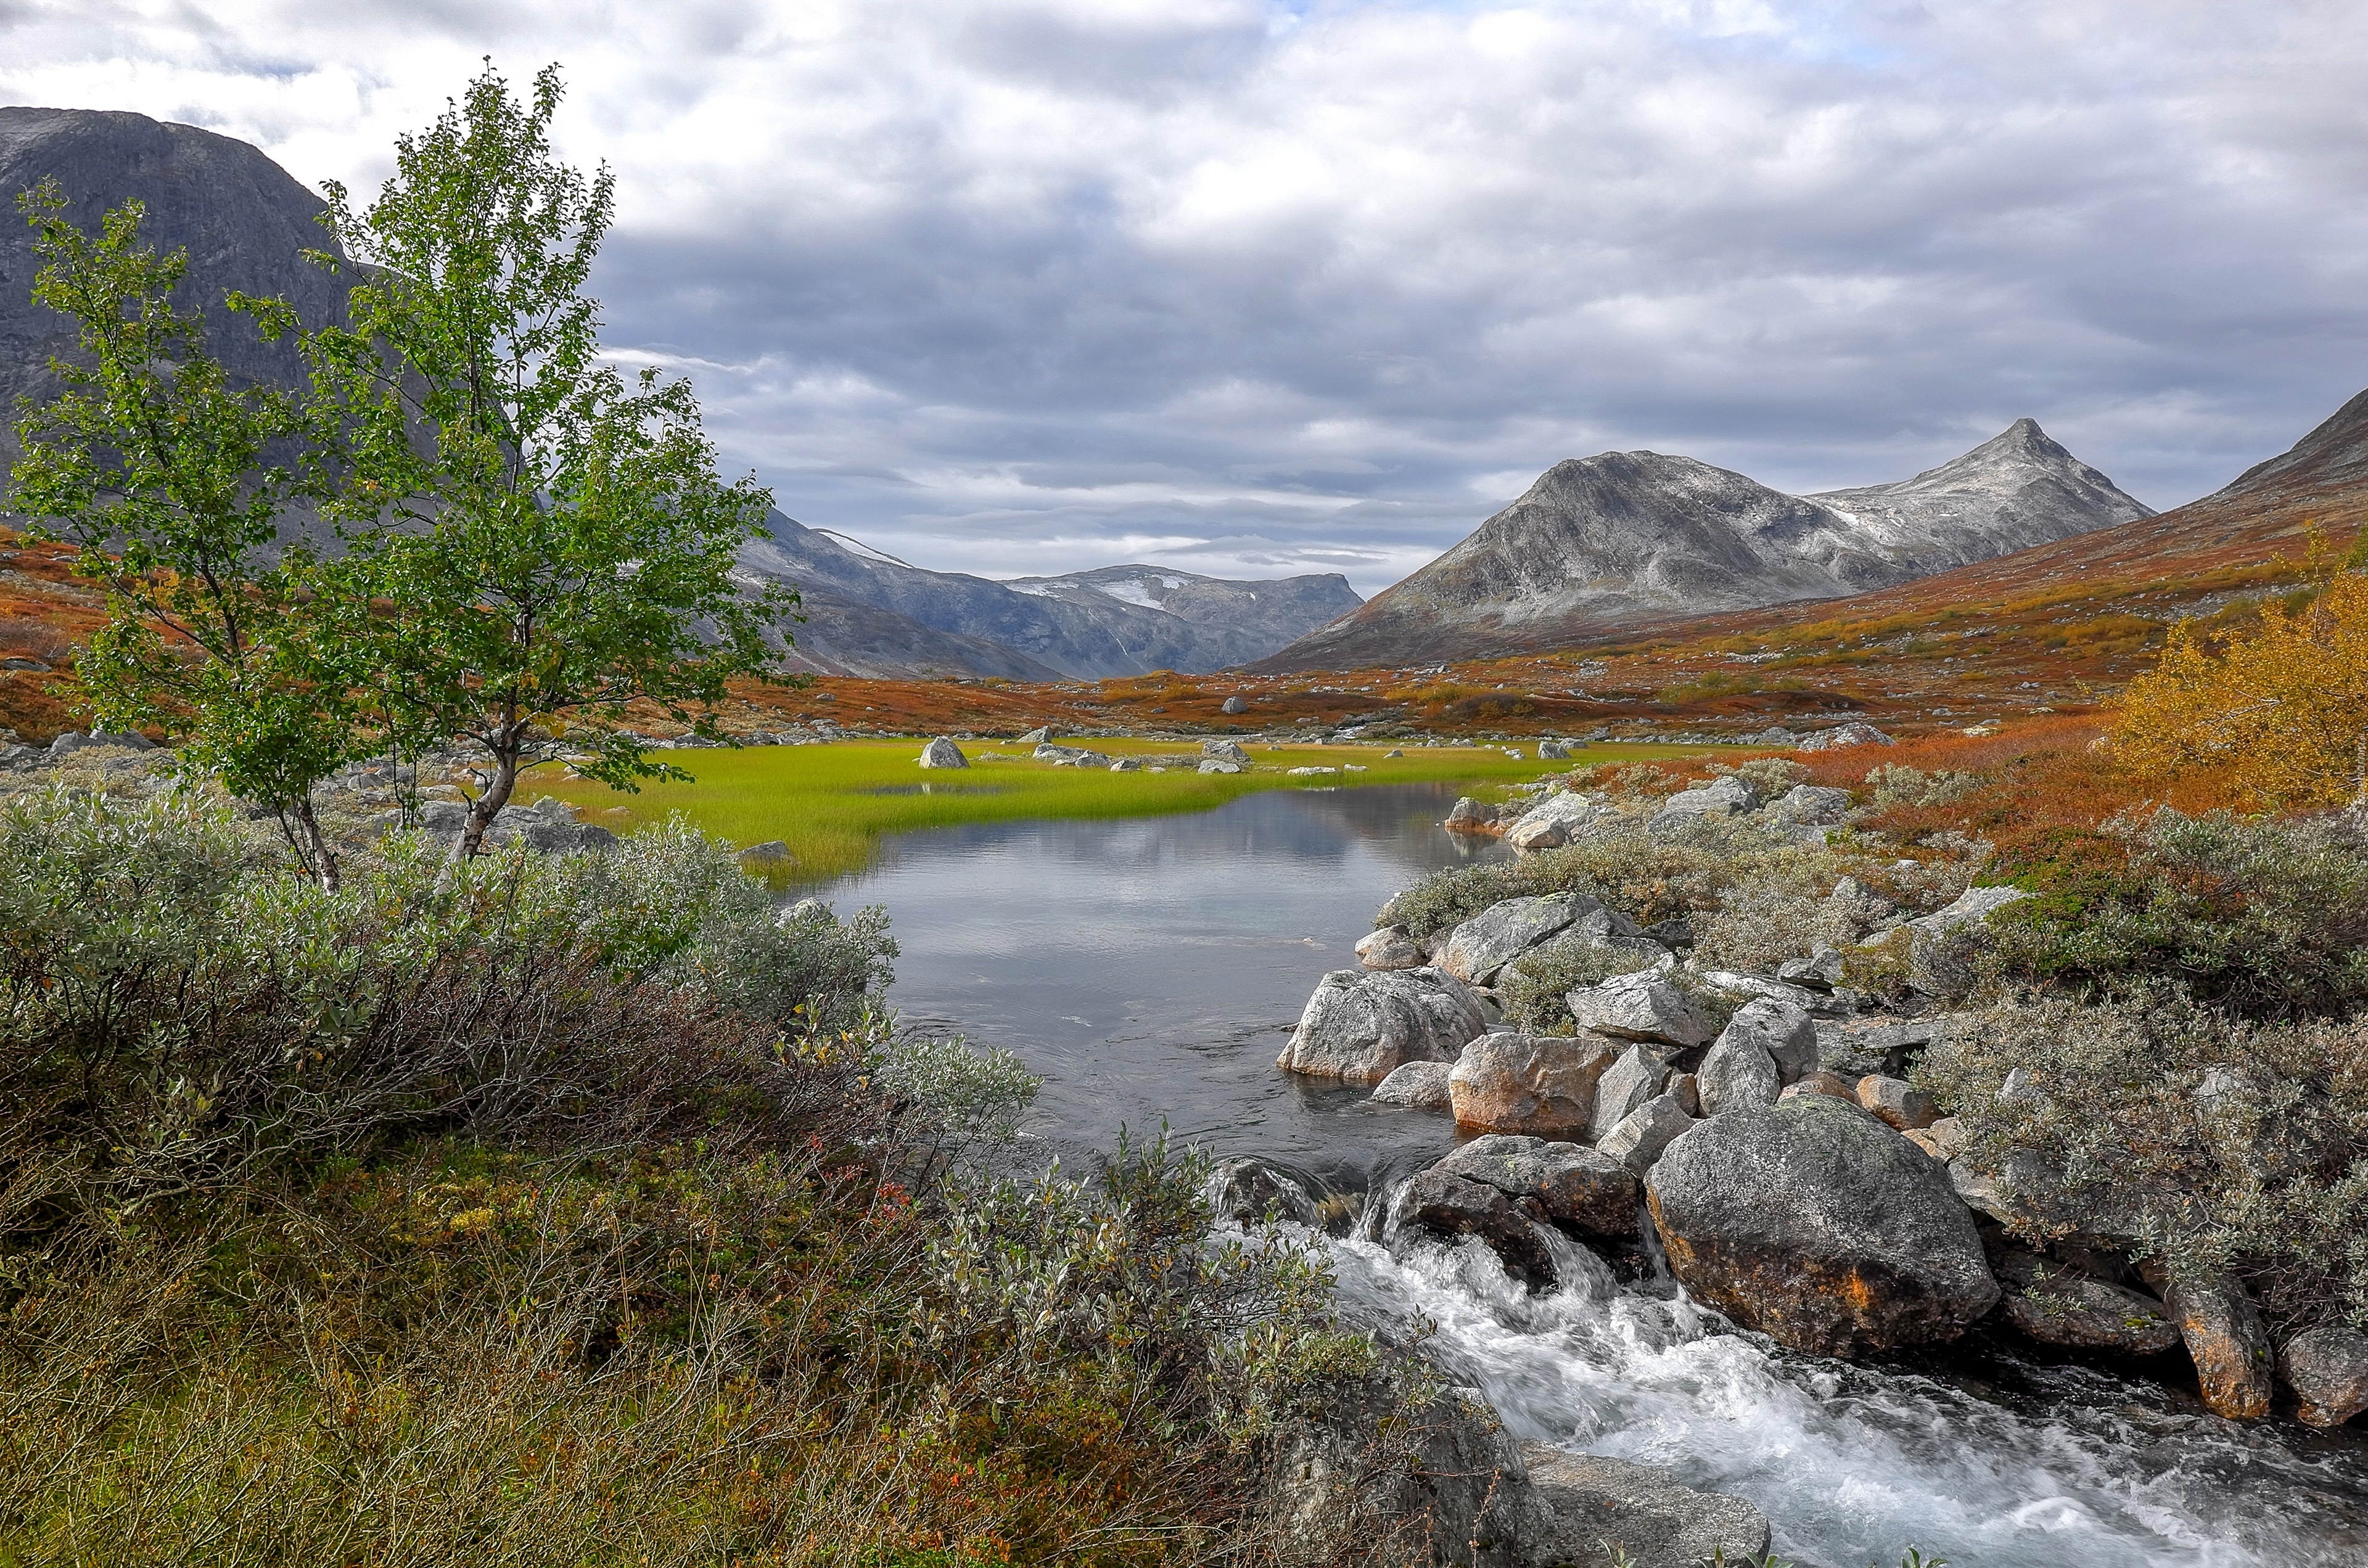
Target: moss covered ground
{"points": [[832, 804]]}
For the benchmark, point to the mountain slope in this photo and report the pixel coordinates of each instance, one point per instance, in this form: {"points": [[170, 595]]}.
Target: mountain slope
{"points": [[245, 221], [1630, 536], [1086, 626]]}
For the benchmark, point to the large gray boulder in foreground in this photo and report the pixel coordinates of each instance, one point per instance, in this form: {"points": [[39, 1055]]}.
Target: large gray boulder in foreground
{"points": [[1361, 1027], [1820, 1227], [1601, 1501]]}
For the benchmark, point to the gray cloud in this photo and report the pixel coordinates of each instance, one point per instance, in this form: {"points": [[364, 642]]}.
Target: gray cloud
{"points": [[1237, 286]]}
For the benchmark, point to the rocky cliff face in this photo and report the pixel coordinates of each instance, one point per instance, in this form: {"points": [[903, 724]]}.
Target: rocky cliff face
{"points": [[1111, 621], [1628, 536], [243, 220]]}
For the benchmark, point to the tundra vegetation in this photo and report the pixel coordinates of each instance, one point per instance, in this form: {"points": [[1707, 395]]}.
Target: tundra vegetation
{"points": [[571, 1209]]}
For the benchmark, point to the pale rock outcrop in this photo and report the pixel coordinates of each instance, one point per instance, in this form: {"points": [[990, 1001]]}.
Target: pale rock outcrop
{"points": [[1361, 1027], [1226, 751], [1638, 1075], [1736, 1073], [1809, 805], [1391, 948], [1476, 949], [1641, 1510], [944, 752], [1645, 1133], [1530, 1083], [1854, 733], [1553, 822], [1820, 1227], [1645, 1006], [1724, 797], [1783, 1029], [1422, 1084]]}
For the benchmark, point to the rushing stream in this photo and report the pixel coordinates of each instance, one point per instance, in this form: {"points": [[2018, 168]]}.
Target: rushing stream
{"points": [[1150, 968]]}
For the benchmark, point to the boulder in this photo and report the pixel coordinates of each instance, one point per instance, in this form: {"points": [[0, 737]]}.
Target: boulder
{"points": [[1686, 1090], [944, 752], [1422, 1084], [1600, 1504], [1445, 1204], [1896, 1102], [1580, 1189], [1038, 736], [1481, 946], [1724, 797], [1638, 1075], [1217, 765], [1251, 1192], [1531, 1084], [1809, 805], [1944, 1140], [1854, 733], [1821, 970], [1645, 1006], [1440, 1486], [1832, 1085], [1391, 948], [1944, 943], [1362, 1025], [1226, 751], [1645, 1133], [1233, 705], [2328, 1370], [1759, 988], [773, 855], [2223, 1333], [1552, 751], [1820, 1227], [1468, 815], [1783, 1030], [1736, 1074], [1553, 822], [2057, 1305]]}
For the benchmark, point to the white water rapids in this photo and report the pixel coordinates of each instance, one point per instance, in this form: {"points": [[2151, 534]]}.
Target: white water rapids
{"points": [[1855, 1464]]}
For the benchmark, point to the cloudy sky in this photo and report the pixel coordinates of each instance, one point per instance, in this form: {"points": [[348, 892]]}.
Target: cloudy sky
{"points": [[1253, 287]]}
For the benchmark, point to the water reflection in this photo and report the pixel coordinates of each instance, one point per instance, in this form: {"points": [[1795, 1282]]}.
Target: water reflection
{"points": [[1151, 967]]}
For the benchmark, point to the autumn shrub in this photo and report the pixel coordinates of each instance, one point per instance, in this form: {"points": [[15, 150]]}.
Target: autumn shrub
{"points": [[2265, 918], [2211, 1141], [2282, 703], [572, 1209]]}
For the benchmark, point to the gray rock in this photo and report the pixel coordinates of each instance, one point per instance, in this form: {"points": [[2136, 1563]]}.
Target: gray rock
{"points": [[1645, 1133], [2328, 1370], [1391, 948], [1580, 1189], [1468, 815], [1946, 943], [1636, 1077], [1724, 797], [771, 854], [1553, 822], [1640, 1509], [1896, 1102], [1039, 736], [1853, 734], [1362, 1027], [2057, 1305], [1531, 1084], [1250, 1192], [1783, 1030], [1644, 1007], [944, 752], [1442, 1486], [1422, 1084], [1736, 1074], [1217, 765], [1810, 805], [1735, 983], [1233, 705], [1226, 751], [1481, 946], [1444, 1204], [1070, 756], [1817, 1225], [1552, 751]]}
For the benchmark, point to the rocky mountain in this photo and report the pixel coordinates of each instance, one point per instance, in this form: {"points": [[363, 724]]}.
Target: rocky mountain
{"points": [[245, 221], [1629, 537], [1111, 621]]}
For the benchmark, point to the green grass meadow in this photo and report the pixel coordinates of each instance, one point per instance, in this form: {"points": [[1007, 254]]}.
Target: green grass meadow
{"points": [[832, 804]]}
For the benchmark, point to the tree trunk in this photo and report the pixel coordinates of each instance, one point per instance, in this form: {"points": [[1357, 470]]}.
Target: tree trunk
{"points": [[508, 743], [303, 830]]}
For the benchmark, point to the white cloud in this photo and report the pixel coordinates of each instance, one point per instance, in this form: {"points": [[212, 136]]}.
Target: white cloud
{"points": [[1223, 281]]}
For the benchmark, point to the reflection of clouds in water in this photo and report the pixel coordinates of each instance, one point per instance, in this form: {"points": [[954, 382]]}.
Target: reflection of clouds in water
{"points": [[1148, 966]]}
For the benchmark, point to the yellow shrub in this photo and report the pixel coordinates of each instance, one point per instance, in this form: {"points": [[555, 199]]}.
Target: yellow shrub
{"points": [[2285, 705]]}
